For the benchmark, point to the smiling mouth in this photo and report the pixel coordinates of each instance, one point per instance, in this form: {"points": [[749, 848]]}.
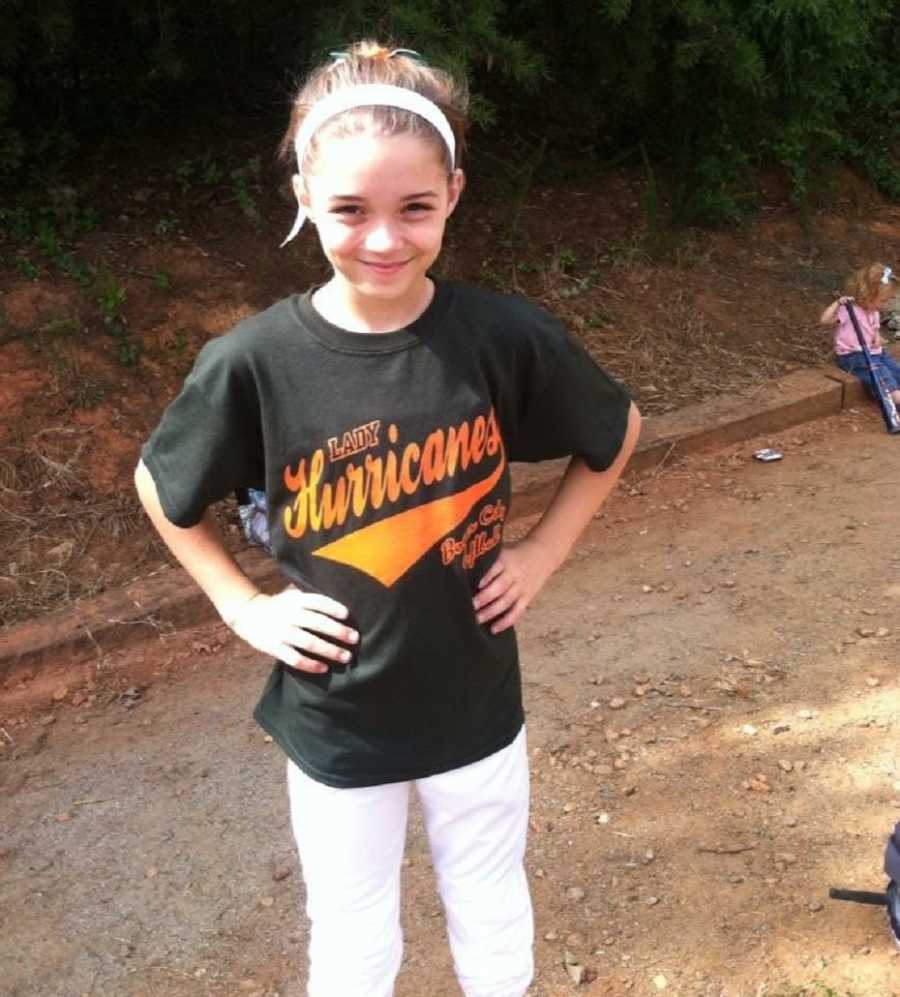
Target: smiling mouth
{"points": [[385, 267]]}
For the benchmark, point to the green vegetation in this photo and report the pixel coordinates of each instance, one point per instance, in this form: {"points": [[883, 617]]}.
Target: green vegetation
{"points": [[704, 91]]}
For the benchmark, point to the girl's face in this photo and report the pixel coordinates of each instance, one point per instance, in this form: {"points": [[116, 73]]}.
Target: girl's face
{"points": [[380, 204]]}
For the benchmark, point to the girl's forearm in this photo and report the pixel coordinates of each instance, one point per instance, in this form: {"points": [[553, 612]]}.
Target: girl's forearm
{"points": [[199, 549], [581, 492], [828, 316]]}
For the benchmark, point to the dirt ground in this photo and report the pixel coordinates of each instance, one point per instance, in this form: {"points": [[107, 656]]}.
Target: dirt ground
{"points": [[712, 687], [108, 290]]}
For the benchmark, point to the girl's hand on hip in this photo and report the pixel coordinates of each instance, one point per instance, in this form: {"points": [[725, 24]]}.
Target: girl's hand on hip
{"points": [[292, 625], [511, 583]]}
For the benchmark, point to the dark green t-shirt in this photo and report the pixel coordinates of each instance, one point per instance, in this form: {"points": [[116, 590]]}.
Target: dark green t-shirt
{"points": [[385, 460]]}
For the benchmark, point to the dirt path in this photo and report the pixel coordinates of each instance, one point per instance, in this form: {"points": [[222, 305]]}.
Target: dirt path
{"points": [[712, 685]]}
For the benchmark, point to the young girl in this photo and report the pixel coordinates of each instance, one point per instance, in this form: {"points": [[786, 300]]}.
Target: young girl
{"points": [[379, 412], [870, 289]]}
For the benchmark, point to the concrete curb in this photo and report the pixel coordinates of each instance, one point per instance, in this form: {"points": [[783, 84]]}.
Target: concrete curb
{"points": [[170, 598]]}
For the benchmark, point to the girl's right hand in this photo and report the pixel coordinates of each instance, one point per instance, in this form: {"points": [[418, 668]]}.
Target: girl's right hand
{"points": [[292, 624], [844, 298]]}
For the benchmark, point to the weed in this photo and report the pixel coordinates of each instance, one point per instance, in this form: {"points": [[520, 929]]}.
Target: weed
{"points": [[244, 188], [166, 226], [491, 277], [25, 267], [517, 173], [110, 296], [183, 175], [180, 342], [71, 266], [623, 253], [162, 280], [565, 260], [129, 352], [203, 171], [61, 327]]}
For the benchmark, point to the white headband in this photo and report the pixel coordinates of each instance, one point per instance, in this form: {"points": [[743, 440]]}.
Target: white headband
{"points": [[367, 95], [886, 275]]}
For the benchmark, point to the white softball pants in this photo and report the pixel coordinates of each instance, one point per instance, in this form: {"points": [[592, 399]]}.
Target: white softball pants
{"points": [[351, 847]]}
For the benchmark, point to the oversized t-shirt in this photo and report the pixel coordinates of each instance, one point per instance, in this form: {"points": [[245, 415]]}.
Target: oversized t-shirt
{"points": [[385, 459]]}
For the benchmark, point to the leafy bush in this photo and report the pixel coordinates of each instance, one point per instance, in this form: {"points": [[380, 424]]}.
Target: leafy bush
{"points": [[709, 88]]}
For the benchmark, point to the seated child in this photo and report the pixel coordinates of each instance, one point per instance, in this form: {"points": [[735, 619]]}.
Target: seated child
{"points": [[870, 289]]}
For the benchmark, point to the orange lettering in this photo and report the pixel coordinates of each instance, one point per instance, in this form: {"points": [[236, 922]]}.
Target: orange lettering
{"points": [[434, 463], [408, 483], [478, 434], [457, 447]]}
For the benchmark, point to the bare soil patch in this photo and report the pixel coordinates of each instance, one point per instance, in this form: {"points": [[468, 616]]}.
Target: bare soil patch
{"points": [[711, 684], [99, 323]]}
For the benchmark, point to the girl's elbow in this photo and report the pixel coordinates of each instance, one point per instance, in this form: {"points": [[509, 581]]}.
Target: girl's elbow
{"points": [[144, 484]]}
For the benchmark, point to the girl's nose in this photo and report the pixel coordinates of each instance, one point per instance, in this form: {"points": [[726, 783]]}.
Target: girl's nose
{"points": [[382, 236]]}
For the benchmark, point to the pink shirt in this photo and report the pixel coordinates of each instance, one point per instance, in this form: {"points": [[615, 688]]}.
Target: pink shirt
{"points": [[845, 340]]}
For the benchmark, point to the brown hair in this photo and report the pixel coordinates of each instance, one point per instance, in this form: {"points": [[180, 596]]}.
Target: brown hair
{"points": [[369, 62], [865, 286]]}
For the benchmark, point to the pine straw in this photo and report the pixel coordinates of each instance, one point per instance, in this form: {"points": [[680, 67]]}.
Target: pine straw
{"points": [[684, 360], [50, 517]]}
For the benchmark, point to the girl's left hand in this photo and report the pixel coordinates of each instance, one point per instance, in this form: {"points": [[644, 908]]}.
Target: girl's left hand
{"points": [[511, 583]]}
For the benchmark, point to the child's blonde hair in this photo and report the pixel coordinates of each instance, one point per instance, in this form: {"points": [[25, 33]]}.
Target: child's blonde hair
{"points": [[370, 62], [867, 287]]}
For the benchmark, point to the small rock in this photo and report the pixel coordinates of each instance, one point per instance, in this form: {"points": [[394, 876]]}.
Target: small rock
{"points": [[551, 936], [575, 893], [790, 821], [78, 698], [815, 906], [865, 631], [806, 714], [872, 681], [575, 940], [649, 856], [785, 765], [781, 728], [652, 901], [646, 589], [266, 901], [602, 818], [47, 720], [281, 872], [660, 982], [60, 693], [882, 632], [616, 703], [64, 816], [787, 858], [152, 872], [749, 730], [576, 973]]}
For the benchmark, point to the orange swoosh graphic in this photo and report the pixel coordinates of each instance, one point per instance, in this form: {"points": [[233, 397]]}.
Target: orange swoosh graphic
{"points": [[386, 550]]}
